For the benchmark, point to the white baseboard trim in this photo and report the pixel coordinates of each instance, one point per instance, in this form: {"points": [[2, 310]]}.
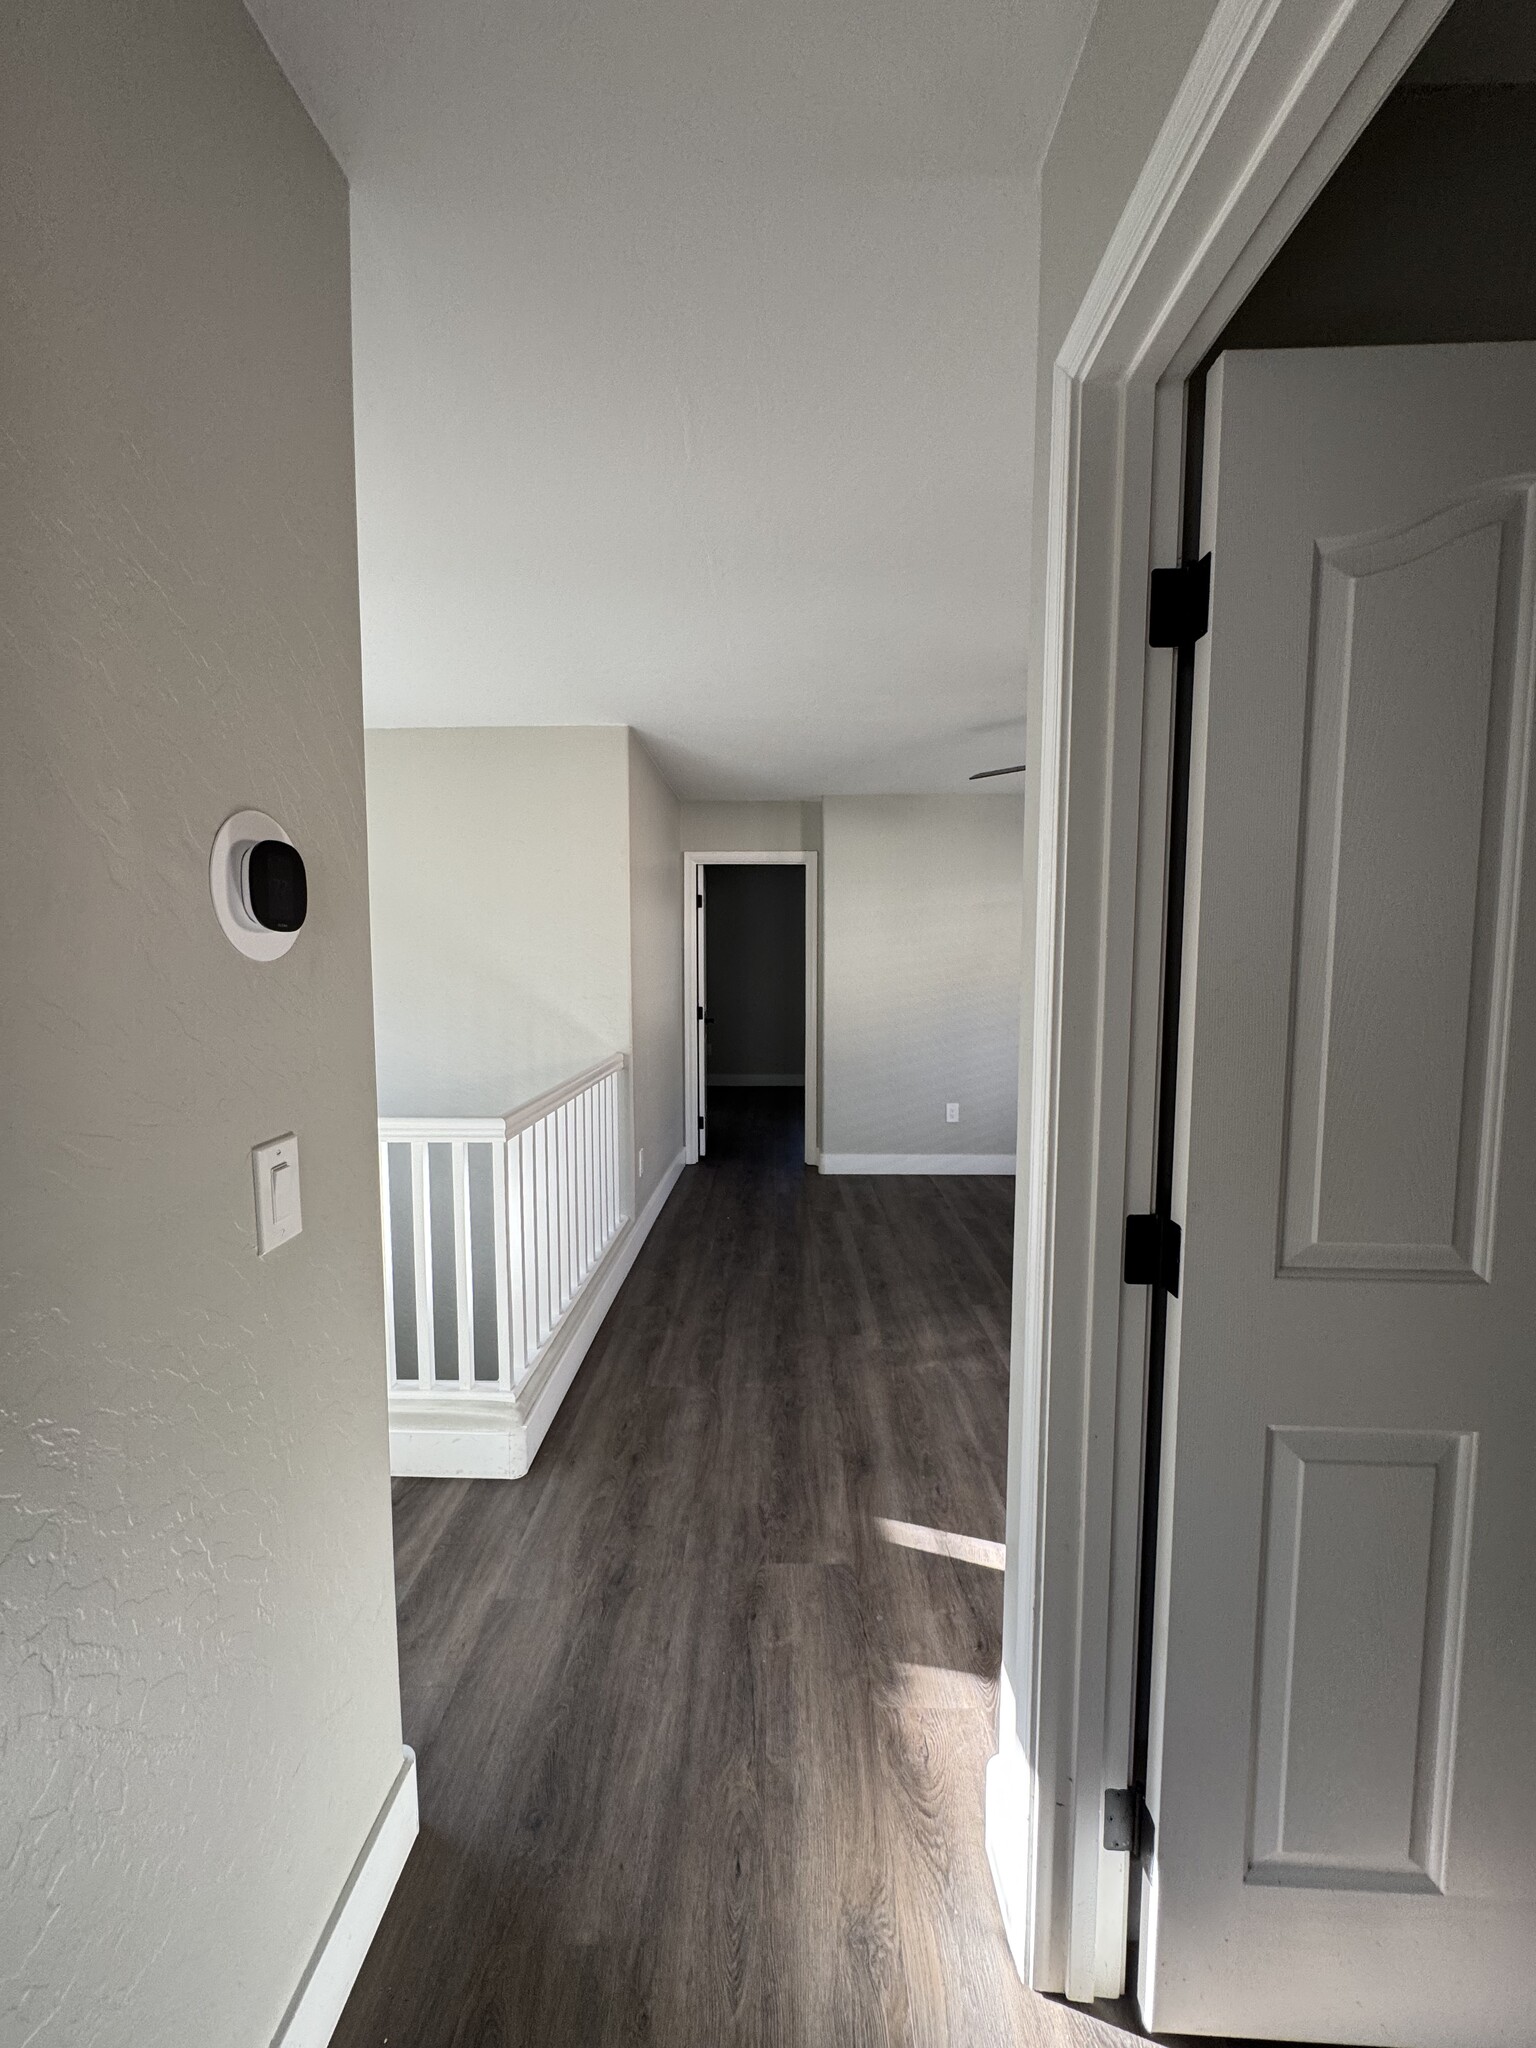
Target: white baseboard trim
{"points": [[448, 1436], [478, 1440], [919, 1162], [327, 1983], [1007, 1828], [757, 1080]]}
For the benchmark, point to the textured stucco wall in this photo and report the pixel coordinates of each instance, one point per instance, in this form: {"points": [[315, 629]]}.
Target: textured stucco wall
{"points": [[921, 984], [656, 967], [499, 863], [199, 1709]]}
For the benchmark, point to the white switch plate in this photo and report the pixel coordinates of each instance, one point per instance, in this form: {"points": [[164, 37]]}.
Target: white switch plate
{"points": [[640, 1165], [275, 1167], [951, 1112]]}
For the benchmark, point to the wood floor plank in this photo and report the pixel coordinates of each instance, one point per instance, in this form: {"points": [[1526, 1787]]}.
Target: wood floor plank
{"points": [[701, 1748]]}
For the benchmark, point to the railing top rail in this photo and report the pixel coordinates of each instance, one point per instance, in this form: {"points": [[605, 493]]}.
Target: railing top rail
{"points": [[399, 1128], [530, 1112]]}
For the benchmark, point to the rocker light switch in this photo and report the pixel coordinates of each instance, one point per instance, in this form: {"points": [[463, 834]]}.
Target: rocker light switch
{"points": [[275, 1167]]}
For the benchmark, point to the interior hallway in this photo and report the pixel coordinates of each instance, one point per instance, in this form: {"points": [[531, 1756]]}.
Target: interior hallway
{"points": [[701, 1748]]}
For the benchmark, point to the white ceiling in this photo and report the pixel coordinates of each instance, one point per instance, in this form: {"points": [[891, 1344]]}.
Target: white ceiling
{"points": [[693, 369]]}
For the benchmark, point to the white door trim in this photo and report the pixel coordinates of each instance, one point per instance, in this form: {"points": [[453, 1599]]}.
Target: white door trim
{"points": [[692, 862], [1277, 92]]}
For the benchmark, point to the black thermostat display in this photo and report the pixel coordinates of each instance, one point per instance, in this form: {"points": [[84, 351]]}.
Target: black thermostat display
{"points": [[276, 887]]}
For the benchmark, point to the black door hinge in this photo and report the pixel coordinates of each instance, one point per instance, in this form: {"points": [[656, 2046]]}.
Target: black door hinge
{"points": [[701, 1123], [1127, 1823], [701, 1013], [1153, 1245], [1179, 612]]}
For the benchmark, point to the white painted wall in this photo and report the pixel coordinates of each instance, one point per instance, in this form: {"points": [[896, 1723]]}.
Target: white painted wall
{"points": [[499, 877], [526, 889], [199, 1706], [656, 968], [752, 827], [921, 979]]}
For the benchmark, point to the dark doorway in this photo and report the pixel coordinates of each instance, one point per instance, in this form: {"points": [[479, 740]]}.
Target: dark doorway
{"points": [[755, 1014]]}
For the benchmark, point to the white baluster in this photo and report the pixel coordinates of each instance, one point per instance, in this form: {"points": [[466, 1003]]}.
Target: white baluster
{"points": [[549, 1260], [462, 1262], [579, 1184], [421, 1248], [588, 1220], [528, 1155], [611, 1160], [579, 1259], [604, 1209], [615, 1175], [595, 1171], [505, 1219], [392, 1362], [563, 1196]]}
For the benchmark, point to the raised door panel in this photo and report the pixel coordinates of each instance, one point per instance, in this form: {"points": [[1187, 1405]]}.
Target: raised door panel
{"points": [[1418, 718], [1366, 1542]]}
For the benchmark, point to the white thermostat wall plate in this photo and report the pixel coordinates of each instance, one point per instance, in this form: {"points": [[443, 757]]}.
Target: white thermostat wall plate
{"points": [[232, 842]]}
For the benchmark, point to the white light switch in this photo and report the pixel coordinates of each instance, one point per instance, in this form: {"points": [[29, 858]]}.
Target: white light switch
{"points": [[275, 1166], [951, 1112]]}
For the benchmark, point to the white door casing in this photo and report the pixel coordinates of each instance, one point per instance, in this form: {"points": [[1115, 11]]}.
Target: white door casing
{"points": [[701, 1010], [1275, 96], [1344, 1681]]}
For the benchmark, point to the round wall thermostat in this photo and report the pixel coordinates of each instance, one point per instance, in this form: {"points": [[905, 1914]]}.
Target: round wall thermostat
{"points": [[260, 890]]}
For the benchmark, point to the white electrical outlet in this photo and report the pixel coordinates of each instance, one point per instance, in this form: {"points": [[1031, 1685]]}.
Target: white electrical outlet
{"points": [[640, 1164], [951, 1112]]}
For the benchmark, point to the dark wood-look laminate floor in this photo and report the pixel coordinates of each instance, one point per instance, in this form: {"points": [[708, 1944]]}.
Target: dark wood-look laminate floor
{"points": [[700, 1749]]}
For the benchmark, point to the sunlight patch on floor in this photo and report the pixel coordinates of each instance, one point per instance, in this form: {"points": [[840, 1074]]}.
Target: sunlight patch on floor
{"points": [[941, 1543], [936, 1688]]}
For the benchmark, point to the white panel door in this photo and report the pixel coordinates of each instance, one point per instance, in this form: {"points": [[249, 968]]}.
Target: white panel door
{"points": [[1343, 1744], [701, 1062]]}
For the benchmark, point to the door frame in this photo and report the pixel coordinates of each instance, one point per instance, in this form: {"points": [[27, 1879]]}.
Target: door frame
{"points": [[1276, 94], [692, 862]]}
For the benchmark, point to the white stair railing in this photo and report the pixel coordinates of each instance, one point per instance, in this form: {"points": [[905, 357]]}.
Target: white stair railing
{"points": [[492, 1227]]}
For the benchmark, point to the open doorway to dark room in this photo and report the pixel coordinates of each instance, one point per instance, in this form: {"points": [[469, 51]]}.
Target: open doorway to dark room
{"points": [[755, 1015]]}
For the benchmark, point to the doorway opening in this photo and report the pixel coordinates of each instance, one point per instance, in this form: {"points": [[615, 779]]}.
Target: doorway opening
{"points": [[1343, 335], [750, 952], [754, 1011], [1257, 134]]}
